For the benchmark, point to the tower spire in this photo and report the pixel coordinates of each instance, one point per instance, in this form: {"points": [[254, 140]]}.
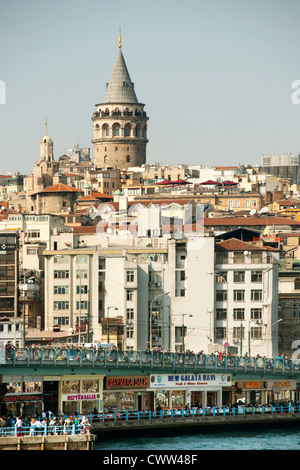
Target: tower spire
{"points": [[120, 39]]}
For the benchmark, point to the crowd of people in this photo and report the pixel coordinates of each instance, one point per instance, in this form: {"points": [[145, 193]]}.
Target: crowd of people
{"points": [[74, 349], [47, 422]]}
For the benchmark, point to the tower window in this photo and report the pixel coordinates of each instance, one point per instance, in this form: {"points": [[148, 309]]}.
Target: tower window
{"points": [[105, 159], [127, 130], [127, 158], [116, 148], [116, 129]]}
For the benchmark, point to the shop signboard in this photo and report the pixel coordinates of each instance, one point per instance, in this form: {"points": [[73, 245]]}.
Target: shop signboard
{"points": [[278, 385], [21, 398], [189, 380], [85, 396], [127, 382]]}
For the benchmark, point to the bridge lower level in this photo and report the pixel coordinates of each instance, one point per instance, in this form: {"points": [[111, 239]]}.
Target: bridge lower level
{"points": [[71, 381]]}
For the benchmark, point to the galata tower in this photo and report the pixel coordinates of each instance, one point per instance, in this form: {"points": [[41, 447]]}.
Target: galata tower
{"points": [[120, 122]]}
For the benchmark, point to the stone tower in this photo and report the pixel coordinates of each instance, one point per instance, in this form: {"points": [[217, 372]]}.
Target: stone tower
{"points": [[46, 167], [120, 122]]}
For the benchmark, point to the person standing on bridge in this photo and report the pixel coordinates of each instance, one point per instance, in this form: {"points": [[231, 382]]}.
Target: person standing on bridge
{"points": [[19, 425]]}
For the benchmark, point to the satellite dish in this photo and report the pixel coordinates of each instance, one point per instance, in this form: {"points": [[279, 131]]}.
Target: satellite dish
{"points": [[264, 210]]}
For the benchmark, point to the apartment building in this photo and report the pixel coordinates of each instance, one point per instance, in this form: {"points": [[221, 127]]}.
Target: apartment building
{"points": [[157, 289], [246, 297], [10, 316], [33, 228]]}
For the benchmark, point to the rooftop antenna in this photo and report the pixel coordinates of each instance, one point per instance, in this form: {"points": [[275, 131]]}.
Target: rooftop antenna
{"points": [[46, 125], [120, 39]]}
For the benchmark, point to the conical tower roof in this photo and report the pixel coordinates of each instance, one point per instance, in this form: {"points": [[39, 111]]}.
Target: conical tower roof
{"points": [[120, 89]]}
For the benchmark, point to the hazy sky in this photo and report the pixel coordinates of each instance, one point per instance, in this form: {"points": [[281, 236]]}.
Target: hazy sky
{"points": [[215, 76]]}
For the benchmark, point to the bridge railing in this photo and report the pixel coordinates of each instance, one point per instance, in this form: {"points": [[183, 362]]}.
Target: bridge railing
{"points": [[110, 416], [147, 359], [42, 431]]}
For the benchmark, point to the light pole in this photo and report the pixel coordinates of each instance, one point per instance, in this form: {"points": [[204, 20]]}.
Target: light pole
{"points": [[150, 325], [107, 325], [182, 329]]}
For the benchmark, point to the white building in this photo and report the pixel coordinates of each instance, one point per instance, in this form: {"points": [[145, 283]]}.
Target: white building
{"points": [[34, 228], [114, 282], [246, 307], [163, 278]]}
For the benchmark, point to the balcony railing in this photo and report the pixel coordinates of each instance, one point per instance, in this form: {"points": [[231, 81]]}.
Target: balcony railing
{"points": [[69, 357]]}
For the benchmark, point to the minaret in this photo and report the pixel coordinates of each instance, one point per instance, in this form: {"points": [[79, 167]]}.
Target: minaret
{"points": [[46, 167], [120, 122], [46, 148]]}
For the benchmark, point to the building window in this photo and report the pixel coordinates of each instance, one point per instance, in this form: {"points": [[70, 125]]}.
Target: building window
{"points": [[105, 159], [129, 314], [61, 274], [221, 276], [239, 276], [81, 273], [221, 314], [256, 276], [81, 258], [221, 295], [33, 233], [130, 276], [31, 251], [61, 321], [61, 305], [83, 305], [256, 258], [238, 333], [83, 289], [256, 332], [61, 259], [238, 313], [220, 333], [129, 333], [129, 295], [256, 294], [127, 158], [296, 311], [297, 284], [61, 290], [256, 313], [238, 295]]}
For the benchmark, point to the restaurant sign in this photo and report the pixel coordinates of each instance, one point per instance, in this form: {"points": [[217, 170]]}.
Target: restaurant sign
{"points": [[136, 381], [188, 380], [18, 398], [86, 396]]}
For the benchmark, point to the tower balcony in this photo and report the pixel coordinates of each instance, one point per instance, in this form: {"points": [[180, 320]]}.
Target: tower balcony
{"points": [[119, 114]]}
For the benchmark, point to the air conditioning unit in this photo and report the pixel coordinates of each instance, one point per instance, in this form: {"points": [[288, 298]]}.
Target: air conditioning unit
{"points": [[154, 321], [154, 338], [157, 284], [158, 302]]}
